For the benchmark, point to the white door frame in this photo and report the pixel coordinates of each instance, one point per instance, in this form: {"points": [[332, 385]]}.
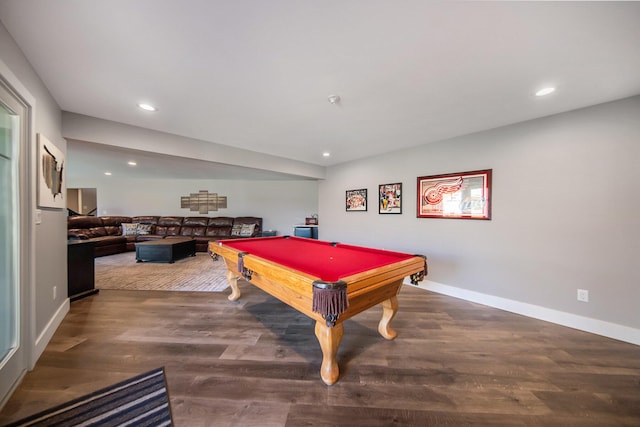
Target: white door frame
{"points": [[27, 205]]}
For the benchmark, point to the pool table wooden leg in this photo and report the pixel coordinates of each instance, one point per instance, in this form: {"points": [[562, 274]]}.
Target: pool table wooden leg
{"points": [[232, 278], [389, 310], [329, 339]]}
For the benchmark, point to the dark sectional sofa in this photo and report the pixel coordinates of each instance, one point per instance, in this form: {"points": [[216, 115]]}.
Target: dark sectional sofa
{"points": [[110, 236]]}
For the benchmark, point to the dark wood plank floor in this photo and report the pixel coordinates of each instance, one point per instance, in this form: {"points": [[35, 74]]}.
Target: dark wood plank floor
{"points": [[255, 362]]}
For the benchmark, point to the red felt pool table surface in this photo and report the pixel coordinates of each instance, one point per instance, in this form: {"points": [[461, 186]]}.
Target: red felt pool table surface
{"points": [[326, 260]]}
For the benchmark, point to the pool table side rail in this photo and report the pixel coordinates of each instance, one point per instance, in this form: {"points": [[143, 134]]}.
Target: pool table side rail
{"points": [[379, 276], [297, 294], [302, 282], [367, 290]]}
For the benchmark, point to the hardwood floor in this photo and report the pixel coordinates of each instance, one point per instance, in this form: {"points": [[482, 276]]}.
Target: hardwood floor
{"points": [[255, 362]]}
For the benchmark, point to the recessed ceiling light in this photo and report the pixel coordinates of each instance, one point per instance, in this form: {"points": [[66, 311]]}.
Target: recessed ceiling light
{"points": [[545, 91], [147, 107], [326, 154], [108, 173], [131, 163]]}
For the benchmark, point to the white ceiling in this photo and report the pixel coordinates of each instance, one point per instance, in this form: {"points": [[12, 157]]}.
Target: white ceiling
{"points": [[256, 74]]}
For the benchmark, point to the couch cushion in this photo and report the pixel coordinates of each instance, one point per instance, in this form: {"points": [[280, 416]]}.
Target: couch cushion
{"points": [[195, 220], [192, 231], [96, 232], [145, 219], [218, 232], [220, 221], [199, 231], [186, 231], [77, 222], [170, 221], [115, 220], [161, 230], [113, 230], [171, 231]]}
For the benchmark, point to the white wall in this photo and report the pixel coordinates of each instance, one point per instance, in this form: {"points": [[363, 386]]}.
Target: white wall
{"points": [[281, 204], [565, 214]]}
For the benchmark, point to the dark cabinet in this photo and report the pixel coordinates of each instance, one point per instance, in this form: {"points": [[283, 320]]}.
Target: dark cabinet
{"points": [[80, 269], [306, 231]]}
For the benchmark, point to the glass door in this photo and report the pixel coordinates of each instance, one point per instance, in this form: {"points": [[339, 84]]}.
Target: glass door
{"points": [[8, 282], [12, 354]]}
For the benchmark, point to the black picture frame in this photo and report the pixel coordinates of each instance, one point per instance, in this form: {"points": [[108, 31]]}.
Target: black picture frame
{"points": [[390, 198], [356, 200]]}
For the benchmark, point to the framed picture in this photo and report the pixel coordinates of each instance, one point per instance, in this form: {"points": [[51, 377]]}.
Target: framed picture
{"points": [[465, 195], [356, 200], [51, 178], [390, 198]]}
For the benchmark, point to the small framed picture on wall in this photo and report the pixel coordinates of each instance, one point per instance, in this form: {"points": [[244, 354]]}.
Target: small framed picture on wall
{"points": [[356, 200], [390, 198]]}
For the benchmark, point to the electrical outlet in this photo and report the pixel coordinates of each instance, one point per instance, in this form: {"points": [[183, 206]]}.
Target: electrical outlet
{"points": [[583, 295], [55, 292]]}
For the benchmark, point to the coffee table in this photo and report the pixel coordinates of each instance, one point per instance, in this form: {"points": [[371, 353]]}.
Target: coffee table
{"points": [[165, 250]]}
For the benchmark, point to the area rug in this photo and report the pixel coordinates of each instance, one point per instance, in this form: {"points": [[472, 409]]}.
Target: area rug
{"points": [[139, 401], [199, 273]]}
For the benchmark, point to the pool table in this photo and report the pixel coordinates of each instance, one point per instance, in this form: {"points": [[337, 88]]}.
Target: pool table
{"points": [[327, 281]]}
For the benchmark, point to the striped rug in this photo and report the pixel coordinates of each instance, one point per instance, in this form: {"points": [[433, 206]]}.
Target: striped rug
{"points": [[199, 273], [139, 401]]}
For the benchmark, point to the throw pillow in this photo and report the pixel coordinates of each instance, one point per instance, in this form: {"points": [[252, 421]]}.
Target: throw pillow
{"points": [[144, 229], [247, 230], [235, 230], [129, 229]]}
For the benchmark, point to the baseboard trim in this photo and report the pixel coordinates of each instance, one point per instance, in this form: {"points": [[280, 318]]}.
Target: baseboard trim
{"points": [[586, 324], [46, 335]]}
